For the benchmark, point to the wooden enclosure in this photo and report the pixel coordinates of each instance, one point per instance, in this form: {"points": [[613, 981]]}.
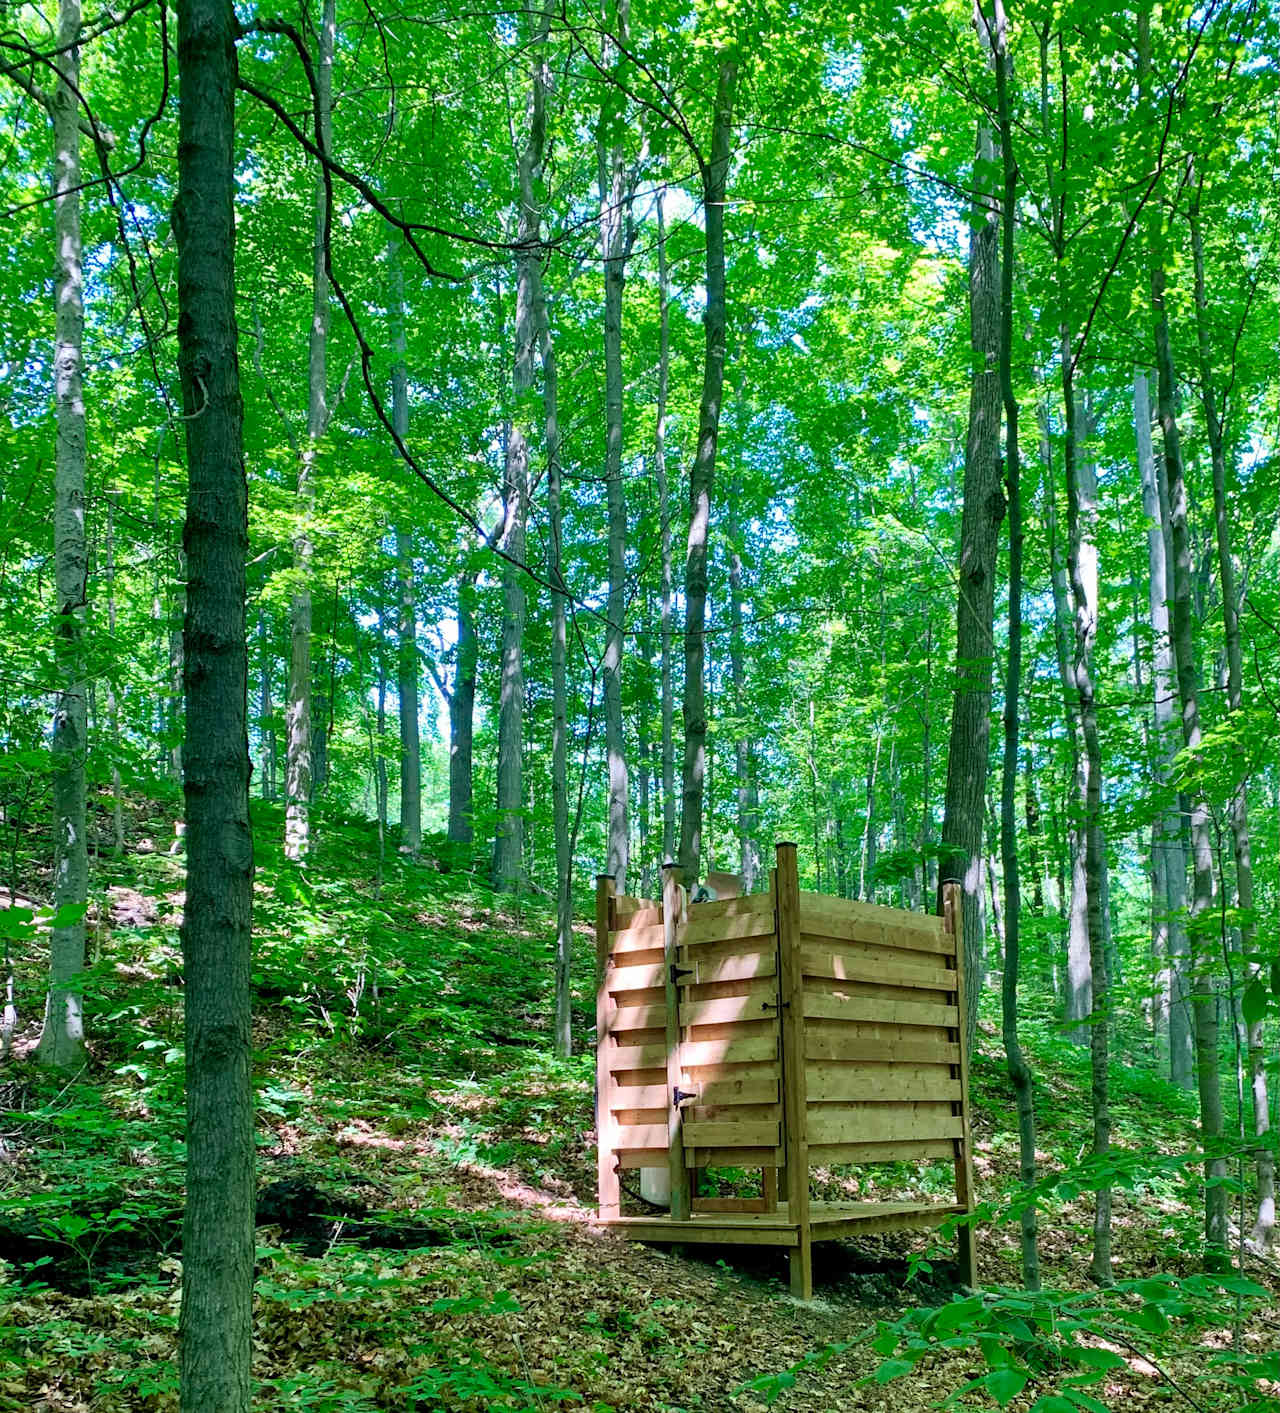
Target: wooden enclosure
{"points": [[778, 1031]]}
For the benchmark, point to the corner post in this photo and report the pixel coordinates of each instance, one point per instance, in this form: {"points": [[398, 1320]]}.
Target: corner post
{"points": [[786, 885], [953, 927], [608, 1188], [672, 917]]}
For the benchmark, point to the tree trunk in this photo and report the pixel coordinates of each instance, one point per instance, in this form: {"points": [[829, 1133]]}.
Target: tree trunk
{"points": [[216, 1334], [407, 686], [702, 477], [1019, 1071], [1204, 999], [613, 250], [1169, 860], [508, 844], [743, 752], [298, 725], [62, 1036], [113, 710], [664, 519], [462, 710], [267, 736], [563, 1023], [983, 512], [1264, 1226]]}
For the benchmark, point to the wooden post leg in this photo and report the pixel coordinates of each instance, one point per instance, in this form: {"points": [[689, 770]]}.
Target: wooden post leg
{"points": [[800, 1261], [769, 1188], [967, 1254]]}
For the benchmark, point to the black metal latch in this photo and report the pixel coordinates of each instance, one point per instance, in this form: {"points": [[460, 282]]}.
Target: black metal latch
{"points": [[678, 1095], [678, 972], [774, 1005]]}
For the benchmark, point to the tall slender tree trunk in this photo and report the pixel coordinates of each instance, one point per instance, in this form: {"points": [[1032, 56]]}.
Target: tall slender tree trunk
{"points": [[715, 173], [1204, 1000], [563, 1022], [407, 676], [1082, 564], [1073, 895], [113, 709], [266, 734], [613, 250], [1169, 860], [62, 1037], [216, 1331], [743, 753], [664, 521], [1019, 1070], [298, 723], [981, 517], [462, 710], [508, 845], [1264, 1226]]}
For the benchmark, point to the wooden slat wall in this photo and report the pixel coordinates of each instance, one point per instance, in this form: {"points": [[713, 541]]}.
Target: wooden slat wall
{"points": [[632, 1055], [729, 1034], [881, 1082]]}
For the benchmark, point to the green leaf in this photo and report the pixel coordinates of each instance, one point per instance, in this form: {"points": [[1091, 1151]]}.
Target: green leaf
{"points": [[892, 1369], [1253, 1004], [1004, 1385], [1052, 1403]]}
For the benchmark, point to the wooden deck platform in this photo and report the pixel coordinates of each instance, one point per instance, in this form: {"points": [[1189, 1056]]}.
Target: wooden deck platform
{"points": [[828, 1221]]}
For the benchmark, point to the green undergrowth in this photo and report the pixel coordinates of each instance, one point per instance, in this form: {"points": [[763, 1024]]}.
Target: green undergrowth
{"points": [[405, 1085]]}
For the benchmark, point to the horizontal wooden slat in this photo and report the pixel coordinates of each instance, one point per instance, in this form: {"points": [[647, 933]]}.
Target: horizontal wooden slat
{"points": [[769, 1111], [645, 1158], [641, 1118], [758, 1002], [638, 1018], [879, 1123], [733, 1157], [816, 927], [634, 1136], [637, 939], [750, 917], [636, 1057], [846, 910], [923, 1051], [863, 1008], [729, 1204], [742, 962], [697, 1054], [644, 1096], [638, 914], [753, 1134], [831, 1081], [899, 1152], [748, 1089], [848, 966], [638, 978]]}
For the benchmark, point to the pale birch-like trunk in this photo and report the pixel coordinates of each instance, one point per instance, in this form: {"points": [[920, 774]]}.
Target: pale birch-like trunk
{"points": [[1078, 1000], [299, 763], [266, 732], [1169, 860], [1264, 1225], [715, 173], [62, 1043], [462, 707], [113, 710], [1204, 999]]}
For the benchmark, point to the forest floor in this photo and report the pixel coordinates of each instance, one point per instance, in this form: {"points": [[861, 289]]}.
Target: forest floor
{"points": [[426, 1175]]}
